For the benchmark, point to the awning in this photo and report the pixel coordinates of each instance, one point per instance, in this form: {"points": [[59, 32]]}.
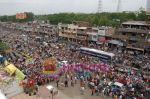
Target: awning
{"points": [[116, 42], [134, 48]]}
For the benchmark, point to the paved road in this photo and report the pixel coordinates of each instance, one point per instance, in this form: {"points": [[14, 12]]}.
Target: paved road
{"points": [[63, 93]]}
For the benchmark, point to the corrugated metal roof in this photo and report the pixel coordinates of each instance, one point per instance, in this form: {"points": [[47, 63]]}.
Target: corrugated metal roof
{"points": [[135, 23]]}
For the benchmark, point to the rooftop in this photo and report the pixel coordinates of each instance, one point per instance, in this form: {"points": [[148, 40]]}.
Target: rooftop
{"points": [[135, 23]]}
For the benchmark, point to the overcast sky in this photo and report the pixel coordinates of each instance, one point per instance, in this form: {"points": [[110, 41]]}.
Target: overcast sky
{"points": [[10, 7]]}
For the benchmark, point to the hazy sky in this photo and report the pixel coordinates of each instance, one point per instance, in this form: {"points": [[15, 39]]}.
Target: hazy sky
{"points": [[9, 7]]}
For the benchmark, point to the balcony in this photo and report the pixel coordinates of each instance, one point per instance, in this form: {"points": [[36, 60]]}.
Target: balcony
{"points": [[81, 32], [122, 37], [133, 30], [81, 37]]}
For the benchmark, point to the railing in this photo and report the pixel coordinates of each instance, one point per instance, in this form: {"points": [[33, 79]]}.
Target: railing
{"points": [[133, 30]]}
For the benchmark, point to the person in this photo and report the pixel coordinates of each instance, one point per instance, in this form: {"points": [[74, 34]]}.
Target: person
{"points": [[66, 83], [57, 82], [75, 80], [82, 89], [72, 84], [92, 91]]}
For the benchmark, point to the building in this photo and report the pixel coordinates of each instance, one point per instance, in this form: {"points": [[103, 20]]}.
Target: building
{"points": [[104, 34], [82, 35], [92, 35], [68, 31], [21, 16], [134, 35], [47, 29], [81, 23]]}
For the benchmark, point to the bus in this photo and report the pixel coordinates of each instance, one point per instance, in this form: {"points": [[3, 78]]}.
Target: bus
{"points": [[102, 55]]}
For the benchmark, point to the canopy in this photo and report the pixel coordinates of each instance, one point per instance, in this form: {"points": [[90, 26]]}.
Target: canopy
{"points": [[10, 69]]}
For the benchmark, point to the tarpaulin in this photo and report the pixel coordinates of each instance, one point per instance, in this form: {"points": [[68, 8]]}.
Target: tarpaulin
{"points": [[19, 75]]}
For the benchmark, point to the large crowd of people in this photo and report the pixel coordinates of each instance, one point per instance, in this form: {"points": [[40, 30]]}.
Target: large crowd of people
{"points": [[29, 53]]}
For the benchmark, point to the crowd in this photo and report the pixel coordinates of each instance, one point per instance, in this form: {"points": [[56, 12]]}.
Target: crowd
{"points": [[28, 56]]}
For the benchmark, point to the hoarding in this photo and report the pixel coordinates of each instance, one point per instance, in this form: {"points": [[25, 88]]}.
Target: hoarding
{"points": [[49, 66]]}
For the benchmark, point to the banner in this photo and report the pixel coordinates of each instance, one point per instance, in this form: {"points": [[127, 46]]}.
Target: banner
{"points": [[19, 75], [49, 66], [10, 69]]}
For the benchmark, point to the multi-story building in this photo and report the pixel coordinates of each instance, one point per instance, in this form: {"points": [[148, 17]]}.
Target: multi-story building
{"points": [[92, 33], [84, 34], [104, 34], [134, 35], [68, 32], [47, 29]]}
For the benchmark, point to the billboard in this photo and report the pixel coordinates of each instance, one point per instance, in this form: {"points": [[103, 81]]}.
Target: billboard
{"points": [[49, 66], [21, 16]]}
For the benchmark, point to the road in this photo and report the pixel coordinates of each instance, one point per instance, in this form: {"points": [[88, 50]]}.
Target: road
{"points": [[63, 93]]}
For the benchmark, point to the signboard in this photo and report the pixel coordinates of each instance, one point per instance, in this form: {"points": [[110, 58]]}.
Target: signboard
{"points": [[49, 66]]}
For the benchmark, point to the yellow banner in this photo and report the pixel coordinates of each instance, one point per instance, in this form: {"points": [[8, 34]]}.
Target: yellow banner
{"points": [[10, 69]]}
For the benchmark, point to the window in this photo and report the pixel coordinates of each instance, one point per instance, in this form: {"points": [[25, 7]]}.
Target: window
{"points": [[123, 33], [133, 34]]}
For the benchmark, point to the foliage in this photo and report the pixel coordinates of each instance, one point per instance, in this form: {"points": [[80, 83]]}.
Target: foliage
{"points": [[97, 19], [30, 17], [3, 46]]}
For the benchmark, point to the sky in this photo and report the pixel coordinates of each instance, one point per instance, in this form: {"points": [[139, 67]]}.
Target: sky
{"points": [[11, 7]]}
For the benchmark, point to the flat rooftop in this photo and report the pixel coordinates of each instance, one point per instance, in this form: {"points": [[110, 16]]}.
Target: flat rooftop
{"points": [[135, 23]]}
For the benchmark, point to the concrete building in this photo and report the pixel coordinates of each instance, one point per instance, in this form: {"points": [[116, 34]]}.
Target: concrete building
{"points": [[81, 23], [68, 31], [104, 34], [47, 29], [135, 35], [84, 35]]}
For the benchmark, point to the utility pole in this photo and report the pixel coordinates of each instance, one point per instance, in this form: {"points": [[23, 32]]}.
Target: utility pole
{"points": [[119, 6], [99, 6]]}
